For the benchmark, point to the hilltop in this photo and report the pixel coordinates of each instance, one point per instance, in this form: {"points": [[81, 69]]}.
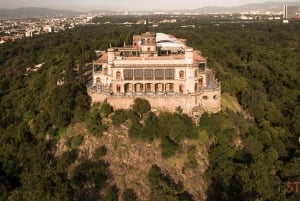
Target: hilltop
{"points": [[55, 145]]}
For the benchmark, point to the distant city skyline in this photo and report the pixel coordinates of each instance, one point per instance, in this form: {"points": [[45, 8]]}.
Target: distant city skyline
{"points": [[130, 5]]}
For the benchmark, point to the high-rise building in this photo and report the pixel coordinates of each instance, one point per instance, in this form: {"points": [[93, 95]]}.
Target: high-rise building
{"points": [[290, 11]]}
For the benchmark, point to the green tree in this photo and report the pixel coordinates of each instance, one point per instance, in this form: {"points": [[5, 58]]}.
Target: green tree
{"points": [[119, 116], [111, 194], [168, 147], [100, 152], [106, 108], [129, 195], [94, 122], [141, 106], [151, 128]]}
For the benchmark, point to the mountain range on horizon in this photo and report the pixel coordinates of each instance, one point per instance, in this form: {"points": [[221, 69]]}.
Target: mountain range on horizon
{"points": [[27, 12]]}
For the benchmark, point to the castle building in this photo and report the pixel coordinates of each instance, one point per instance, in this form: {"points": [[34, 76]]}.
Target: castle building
{"points": [[159, 68]]}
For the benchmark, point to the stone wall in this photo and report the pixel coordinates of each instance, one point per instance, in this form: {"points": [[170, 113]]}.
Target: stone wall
{"points": [[209, 100]]}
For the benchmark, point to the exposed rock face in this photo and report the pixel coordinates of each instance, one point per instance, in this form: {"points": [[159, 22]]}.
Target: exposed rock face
{"points": [[130, 161]]}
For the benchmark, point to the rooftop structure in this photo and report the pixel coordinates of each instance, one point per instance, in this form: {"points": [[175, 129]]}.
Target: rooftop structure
{"points": [[159, 68]]}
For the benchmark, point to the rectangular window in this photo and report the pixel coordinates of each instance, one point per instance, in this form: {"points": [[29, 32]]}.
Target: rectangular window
{"points": [[169, 73], [202, 66], [138, 74], [159, 74], [98, 67], [128, 74], [148, 74]]}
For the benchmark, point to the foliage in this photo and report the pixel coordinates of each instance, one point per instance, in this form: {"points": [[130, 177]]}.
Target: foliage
{"points": [[76, 141], [141, 106], [249, 153], [129, 195], [119, 117], [93, 173], [100, 152], [65, 160], [106, 108], [191, 162], [163, 187], [111, 194], [64, 101], [94, 122], [134, 130], [151, 128], [168, 147]]}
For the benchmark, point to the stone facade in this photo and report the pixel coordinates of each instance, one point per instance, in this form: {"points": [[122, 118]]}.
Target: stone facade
{"points": [[159, 68]]}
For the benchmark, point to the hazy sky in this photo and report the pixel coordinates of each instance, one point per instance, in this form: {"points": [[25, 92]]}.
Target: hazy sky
{"points": [[84, 5]]}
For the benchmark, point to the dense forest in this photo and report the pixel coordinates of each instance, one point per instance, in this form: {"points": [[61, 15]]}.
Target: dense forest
{"points": [[252, 156]]}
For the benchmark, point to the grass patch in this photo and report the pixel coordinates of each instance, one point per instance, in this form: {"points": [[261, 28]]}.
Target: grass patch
{"points": [[202, 136], [229, 102]]}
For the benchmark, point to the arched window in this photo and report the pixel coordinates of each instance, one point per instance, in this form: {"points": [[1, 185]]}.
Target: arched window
{"points": [[118, 87], [159, 88], [128, 88], [196, 73], [148, 87], [181, 74], [138, 88], [169, 87], [200, 82], [181, 89]]}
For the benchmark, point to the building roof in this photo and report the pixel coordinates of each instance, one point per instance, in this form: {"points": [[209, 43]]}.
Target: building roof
{"points": [[103, 58], [167, 42]]}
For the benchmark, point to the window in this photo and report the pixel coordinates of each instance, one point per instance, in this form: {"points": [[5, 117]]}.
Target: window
{"points": [[159, 74], [148, 74], [118, 87], [159, 88], [148, 87], [181, 89], [98, 68], [169, 74], [200, 82], [118, 75], [128, 88], [148, 49], [204, 97], [169, 87], [196, 73], [138, 88], [201, 66], [128, 74], [138, 74], [181, 74], [215, 97], [98, 80]]}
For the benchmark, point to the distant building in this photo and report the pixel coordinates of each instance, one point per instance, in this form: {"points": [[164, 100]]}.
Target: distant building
{"points": [[290, 11], [47, 29], [28, 34], [159, 68]]}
